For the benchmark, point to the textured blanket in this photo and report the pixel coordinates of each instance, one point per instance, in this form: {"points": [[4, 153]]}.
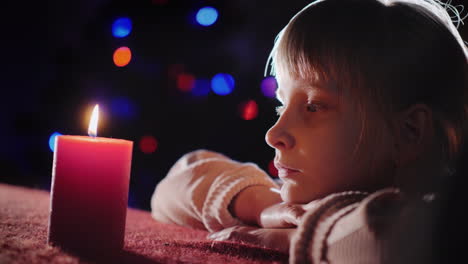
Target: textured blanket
{"points": [[24, 217]]}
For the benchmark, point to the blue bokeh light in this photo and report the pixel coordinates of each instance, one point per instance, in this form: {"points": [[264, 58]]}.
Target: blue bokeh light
{"points": [[122, 27], [207, 16], [52, 140], [222, 84], [123, 107], [201, 87]]}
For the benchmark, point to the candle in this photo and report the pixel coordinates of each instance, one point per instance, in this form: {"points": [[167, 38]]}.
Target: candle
{"points": [[89, 192]]}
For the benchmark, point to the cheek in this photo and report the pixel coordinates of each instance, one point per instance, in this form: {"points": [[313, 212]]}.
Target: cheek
{"points": [[328, 148], [330, 161]]}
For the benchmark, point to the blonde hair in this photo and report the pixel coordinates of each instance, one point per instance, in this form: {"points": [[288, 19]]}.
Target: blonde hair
{"points": [[386, 56]]}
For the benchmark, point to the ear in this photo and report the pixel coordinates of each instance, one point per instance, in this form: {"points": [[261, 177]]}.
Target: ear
{"points": [[414, 132]]}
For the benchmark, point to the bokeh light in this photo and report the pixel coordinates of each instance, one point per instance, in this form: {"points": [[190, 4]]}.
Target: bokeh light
{"points": [[122, 56], [122, 27], [249, 110], [52, 140], [269, 86], [201, 88], [272, 169], [222, 84], [123, 107], [185, 82], [207, 16], [148, 144]]}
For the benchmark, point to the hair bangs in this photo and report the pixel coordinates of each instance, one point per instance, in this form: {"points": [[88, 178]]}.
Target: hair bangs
{"points": [[315, 46], [300, 58]]}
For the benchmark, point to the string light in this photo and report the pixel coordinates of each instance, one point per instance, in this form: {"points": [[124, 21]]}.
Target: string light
{"points": [[269, 86], [249, 110], [207, 16], [148, 144], [123, 107], [52, 140], [222, 84], [185, 82], [122, 27], [122, 56], [201, 87]]}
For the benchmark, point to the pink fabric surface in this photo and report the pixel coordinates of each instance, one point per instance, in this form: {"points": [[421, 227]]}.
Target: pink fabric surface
{"points": [[23, 238]]}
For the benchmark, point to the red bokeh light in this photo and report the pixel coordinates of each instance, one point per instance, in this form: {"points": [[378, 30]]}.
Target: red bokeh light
{"points": [[122, 56], [185, 82], [148, 144], [272, 169], [249, 110]]}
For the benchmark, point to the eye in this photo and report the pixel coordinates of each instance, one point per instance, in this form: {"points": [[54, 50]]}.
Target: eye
{"points": [[314, 107], [279, 110]]}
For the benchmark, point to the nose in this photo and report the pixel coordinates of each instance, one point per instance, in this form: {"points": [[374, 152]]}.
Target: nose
{"points": [[278, 137]]}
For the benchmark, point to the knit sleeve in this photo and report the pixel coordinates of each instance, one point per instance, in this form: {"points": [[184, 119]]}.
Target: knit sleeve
{"points": [[346, 228], [200, 186]]}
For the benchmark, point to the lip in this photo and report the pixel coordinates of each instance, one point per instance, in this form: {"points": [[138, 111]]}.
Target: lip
{"points": [[285, 171]]}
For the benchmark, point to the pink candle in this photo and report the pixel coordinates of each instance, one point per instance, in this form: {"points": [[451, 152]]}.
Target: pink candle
{"points": [[89, 193]]}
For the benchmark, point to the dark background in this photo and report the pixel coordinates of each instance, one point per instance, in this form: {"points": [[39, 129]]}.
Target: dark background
{"points": [[57, 63]]}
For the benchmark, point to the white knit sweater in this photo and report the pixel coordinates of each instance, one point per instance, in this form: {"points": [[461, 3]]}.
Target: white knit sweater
{"points": [[347, 227]]}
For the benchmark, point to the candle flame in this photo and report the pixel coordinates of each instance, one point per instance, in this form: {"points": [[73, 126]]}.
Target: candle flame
{"points": [[92, 129]]}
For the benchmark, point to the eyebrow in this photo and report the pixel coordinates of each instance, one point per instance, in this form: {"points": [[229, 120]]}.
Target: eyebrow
{"points": [[320, 91], [313, 87]]}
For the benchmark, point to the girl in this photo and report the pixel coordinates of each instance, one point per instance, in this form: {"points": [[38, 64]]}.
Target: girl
{"points": [[373, 117]]}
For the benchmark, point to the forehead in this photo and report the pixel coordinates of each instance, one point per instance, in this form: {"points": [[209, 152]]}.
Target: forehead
{"points": [[288, 84]]}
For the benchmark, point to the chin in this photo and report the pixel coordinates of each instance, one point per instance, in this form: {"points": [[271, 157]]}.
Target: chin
{"points": [[293, 194]]}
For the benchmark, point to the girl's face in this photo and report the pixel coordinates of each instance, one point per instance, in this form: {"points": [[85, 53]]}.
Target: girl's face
{"points": [[315, 138]]}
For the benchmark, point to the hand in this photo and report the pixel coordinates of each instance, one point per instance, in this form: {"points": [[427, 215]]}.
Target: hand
{"points": [[274, 238], [281, 215], [259, 205], [250, 202]]}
